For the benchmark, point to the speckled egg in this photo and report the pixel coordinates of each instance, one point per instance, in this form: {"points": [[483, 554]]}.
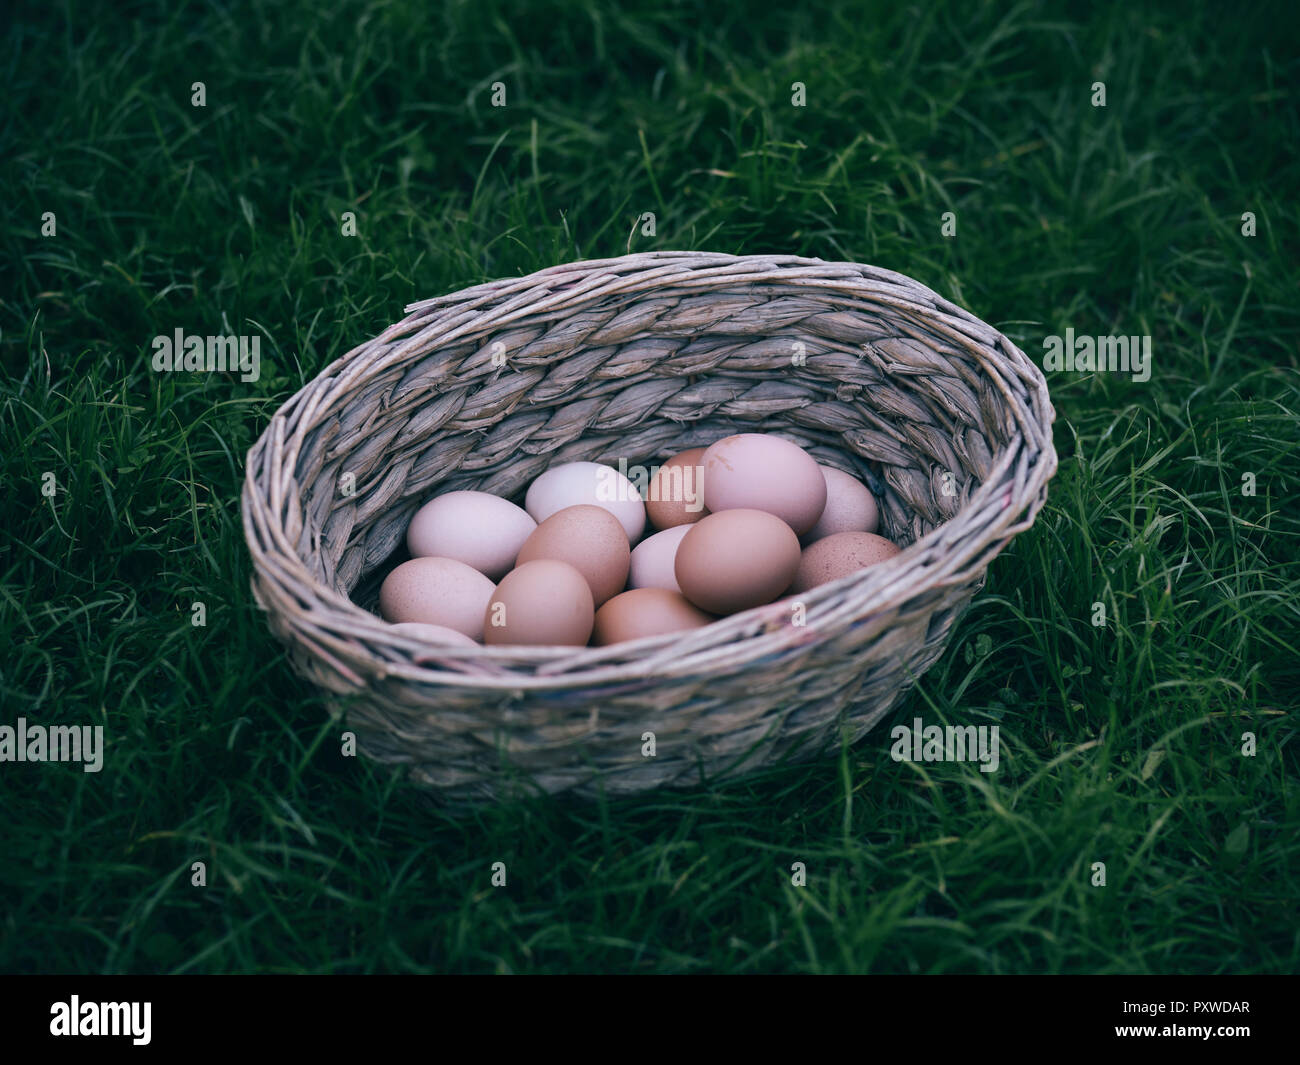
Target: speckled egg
{"points": [[838, 555], [436, 591]]}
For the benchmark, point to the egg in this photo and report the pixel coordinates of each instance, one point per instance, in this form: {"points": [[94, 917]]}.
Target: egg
{"points": [[736, 559], [433, 634], [590, 540], [754, 471], [654, 560], [540, 603], [675, 494], [587, 483], [436, 591], [850, 507], [477, 528], [838, 555], [645, 612]]}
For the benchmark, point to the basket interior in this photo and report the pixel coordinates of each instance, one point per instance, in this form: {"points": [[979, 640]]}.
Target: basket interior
{"points": [[910, 412]]}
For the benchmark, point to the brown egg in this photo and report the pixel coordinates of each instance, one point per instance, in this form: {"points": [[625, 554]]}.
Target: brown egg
{"points": [[540, 603], [588, 538], [756, 471], [675, 494], [838, 555], [645, 612], [436, 591], [736, 559]]}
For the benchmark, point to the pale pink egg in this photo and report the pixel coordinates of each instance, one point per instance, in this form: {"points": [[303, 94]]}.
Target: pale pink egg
{"points": [[654, 560], [575, 484], [477, 528], [755, 471], [850, 507]]}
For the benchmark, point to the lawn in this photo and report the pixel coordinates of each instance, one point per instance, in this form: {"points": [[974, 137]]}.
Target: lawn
{"points": [[1162, 743]]}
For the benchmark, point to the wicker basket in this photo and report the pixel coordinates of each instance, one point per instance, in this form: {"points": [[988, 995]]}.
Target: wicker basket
{"points": [[638, 358]]}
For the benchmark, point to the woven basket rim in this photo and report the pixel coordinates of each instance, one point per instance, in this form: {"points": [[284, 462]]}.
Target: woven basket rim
{"points": [[741, 639]]}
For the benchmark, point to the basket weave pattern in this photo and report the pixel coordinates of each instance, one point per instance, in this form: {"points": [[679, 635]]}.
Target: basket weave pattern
{"points": [[638, 358]]}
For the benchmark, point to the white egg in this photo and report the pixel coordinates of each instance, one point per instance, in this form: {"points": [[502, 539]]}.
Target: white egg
{"points": [[577, 483]]}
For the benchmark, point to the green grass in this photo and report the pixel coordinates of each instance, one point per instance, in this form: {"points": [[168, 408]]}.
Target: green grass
{"points": [[1120, 744]]}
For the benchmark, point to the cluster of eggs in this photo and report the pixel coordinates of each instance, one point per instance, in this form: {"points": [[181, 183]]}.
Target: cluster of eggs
{"points": [[738, 524]]}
